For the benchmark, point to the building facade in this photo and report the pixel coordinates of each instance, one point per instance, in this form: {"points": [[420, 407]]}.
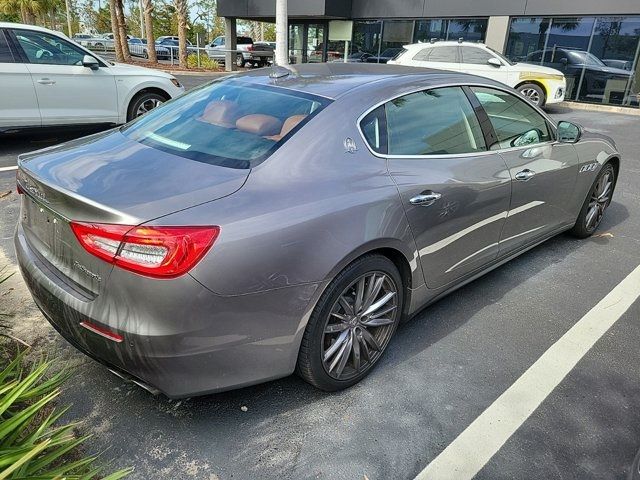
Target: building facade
{"points": [[596, 44]]}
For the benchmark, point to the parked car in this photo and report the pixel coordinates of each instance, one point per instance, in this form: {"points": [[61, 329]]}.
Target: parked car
{"points": [[386, 56], [171, 37], [171, 46], [622, 64], [247, 52], [598, 80], [541, 85], [289, 220], [53, 81], [138, 47], [82, 38]]}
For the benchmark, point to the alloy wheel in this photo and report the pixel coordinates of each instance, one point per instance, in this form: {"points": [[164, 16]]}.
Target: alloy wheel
{"points": [[599, 201], [360, 325], [147, 105], [532, 95]]}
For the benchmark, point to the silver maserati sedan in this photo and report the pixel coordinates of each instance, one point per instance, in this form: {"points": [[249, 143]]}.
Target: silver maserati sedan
{"points": [[287, 220]]}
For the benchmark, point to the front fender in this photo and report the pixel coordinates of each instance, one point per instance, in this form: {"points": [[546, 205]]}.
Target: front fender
{"points": [[130, 87]]}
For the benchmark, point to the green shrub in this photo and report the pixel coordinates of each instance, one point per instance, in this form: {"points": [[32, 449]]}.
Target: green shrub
{"points": [[32, 445], [205, 62]]}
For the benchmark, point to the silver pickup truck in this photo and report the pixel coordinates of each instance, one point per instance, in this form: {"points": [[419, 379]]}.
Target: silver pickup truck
{"points": [[260, 53]]}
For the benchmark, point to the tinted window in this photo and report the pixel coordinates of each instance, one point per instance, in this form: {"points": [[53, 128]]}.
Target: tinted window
{"points": [[226, 123], [42, 48], [423, 55], [444, 54], [515, 122], [475, 55], [5, 53], [243, 41], [439, 121], [374, 129]]}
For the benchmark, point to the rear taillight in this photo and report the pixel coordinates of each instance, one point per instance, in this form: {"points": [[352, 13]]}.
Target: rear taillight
{"points": [[160, 252], [250, 48]]}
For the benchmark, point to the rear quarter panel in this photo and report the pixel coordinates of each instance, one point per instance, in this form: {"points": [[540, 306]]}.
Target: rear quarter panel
{"points": [[304, 213]]}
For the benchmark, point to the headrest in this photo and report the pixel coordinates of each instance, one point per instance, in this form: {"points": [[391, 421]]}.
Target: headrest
{"points": [[258, 124], [221, 112], [291, 123]]}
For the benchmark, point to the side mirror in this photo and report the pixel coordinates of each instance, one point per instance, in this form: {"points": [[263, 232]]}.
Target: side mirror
{"points": [[494, 62], [90, 62], [569, 132]]}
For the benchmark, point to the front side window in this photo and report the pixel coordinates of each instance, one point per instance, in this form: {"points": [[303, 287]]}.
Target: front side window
{"points": [[42, 48], [226, 123], [516, 123], [433, 122], [444, 54], [475, 55]]}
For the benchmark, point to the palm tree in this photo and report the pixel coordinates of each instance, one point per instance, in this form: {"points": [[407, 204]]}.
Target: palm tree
{"points": [[147, 5], [122, 30], [117, 44], [181, 11], [27, 9]]}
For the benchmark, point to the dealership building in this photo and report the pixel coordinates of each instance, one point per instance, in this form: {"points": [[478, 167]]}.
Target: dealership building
{"points": [[595, 43]]}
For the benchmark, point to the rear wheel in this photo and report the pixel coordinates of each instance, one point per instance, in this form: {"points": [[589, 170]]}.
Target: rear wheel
{"points": [[352, 324], [533, 93], [240, 60], [596, 203]]}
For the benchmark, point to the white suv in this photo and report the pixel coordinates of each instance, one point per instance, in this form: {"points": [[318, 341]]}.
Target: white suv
{"points": [[541, 85], [48, 80]]}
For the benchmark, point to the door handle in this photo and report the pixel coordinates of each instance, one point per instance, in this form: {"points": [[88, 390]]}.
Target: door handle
{"points": [[46, 81], [525, 175], [425, 199]]}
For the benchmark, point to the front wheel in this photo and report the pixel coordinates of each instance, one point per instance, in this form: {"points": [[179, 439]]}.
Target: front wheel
{"points": [[596, 203], [352, 324], [533, 93], [142, 103]]}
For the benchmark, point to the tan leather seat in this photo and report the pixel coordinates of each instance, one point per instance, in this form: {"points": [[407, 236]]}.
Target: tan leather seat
{"points": [[223, 113], [288, 125], [259, 124]]}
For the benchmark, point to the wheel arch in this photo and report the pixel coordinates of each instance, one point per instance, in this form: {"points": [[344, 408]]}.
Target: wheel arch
{"points": [[142, 91], [535, 82]]}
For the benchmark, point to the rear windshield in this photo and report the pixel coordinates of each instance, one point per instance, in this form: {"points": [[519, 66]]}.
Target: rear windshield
{"points": [[227, 123]]}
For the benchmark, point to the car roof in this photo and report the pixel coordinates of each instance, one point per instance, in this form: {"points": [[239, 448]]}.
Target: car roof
{"points": [[28, 27], [333, 80], [445, 43]]}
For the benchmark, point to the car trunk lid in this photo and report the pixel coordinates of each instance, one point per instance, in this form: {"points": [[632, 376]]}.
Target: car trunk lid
{"points": [[107, 178]]}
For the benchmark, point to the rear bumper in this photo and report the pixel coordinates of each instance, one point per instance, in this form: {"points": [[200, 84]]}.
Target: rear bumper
{"points": [[195, 343]]}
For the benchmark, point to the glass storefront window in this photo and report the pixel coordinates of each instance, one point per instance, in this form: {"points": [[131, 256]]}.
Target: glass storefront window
{"points": [[469, 29], [367, 36], [597, 55], [395, 34]]}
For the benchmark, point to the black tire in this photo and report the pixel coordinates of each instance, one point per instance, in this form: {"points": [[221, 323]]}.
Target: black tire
{"points": [[145, 55], [534, 93], [240, 60], [140, 99], [318, 342], [586, 224]]}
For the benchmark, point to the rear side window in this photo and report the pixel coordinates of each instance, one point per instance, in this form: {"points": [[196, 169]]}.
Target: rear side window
{"points": [[244, 41], [5, 53], [475, 55], [433, 122], [227, 123], [516, 123], [374, 129], [444, 54], [423, 55]]}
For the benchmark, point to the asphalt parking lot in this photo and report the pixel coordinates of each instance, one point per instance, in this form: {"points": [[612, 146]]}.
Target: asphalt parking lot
{"points": [[441, 372]]}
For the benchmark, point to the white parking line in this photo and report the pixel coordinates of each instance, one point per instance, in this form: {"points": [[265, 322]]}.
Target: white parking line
{"points": [[481, 440], [8, 169]]}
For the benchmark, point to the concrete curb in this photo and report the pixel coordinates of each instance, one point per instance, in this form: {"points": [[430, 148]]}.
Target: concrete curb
{"points": [[600, 108], [197, 74]]}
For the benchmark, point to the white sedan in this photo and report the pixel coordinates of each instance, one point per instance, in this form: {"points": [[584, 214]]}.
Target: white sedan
{"points": [[48, 80], [541, 85]]}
